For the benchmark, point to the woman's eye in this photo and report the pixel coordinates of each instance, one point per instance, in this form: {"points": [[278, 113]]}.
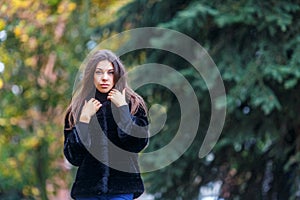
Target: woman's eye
{"points": [[98, 72], [111, 72]]}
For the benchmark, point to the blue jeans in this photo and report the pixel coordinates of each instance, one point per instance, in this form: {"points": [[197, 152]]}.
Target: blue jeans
{"points": [[109, 197]]}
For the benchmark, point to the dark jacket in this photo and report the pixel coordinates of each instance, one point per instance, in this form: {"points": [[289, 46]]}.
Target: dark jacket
{"points": [[107, 154]]}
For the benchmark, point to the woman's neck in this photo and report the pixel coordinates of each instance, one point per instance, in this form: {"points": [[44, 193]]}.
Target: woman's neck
{"points": [[102, 97]]}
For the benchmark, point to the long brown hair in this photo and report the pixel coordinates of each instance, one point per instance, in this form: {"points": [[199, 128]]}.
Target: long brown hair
{"points": [[87, 89]]}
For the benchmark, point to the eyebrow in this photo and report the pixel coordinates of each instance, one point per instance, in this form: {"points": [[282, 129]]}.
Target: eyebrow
{"points": [[103, 69]]}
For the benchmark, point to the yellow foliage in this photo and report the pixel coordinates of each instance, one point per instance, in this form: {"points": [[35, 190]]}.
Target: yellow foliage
{"points": [[12, 162], [17, 31], [35, 191], [21, 3], [26, 190], [66, 7], [2, 138], [13, 121], [3, 8], [34, 24], [33, 43], [41, 16], [1, 86], [61, 8], [71, 6], [5, 171], [29, 190], [106, 4], [4, 57], [21, 157], [40, 133], [103, 12], [2, 24], [20, 31], [31, 143], [24, 38], [32, 62]]}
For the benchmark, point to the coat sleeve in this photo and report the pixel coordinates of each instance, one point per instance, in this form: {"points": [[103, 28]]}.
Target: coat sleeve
{"points": [[132, 129], [74, 150]]}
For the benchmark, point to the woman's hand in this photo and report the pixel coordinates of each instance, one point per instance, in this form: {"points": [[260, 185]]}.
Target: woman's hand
{"points": [[89, 109], [118, 98]]}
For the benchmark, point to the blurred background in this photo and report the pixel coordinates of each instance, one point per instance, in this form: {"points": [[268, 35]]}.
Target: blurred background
{"points": [[255, 45]]}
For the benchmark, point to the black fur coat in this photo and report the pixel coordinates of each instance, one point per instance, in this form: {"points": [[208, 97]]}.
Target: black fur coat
{"points": [[106, 155]]}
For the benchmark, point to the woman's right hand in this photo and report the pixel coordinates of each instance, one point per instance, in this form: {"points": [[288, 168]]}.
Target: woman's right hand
{"points": [[89, 109]]}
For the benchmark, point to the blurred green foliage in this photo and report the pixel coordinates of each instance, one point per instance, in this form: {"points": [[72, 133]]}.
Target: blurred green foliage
{"points": [[255, 45]]}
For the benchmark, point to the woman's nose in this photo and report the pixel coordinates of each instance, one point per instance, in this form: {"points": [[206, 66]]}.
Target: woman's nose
{"points": [[104, 76]]}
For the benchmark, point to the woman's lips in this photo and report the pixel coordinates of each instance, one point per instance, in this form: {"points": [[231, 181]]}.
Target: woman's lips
{"points": [[104, 85]]}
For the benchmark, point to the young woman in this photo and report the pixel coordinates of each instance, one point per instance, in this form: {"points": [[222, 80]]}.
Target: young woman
{"points": [[105, 127]]}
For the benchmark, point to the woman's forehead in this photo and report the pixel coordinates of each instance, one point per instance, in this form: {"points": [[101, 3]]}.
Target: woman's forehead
{"points": [[104, 65]]}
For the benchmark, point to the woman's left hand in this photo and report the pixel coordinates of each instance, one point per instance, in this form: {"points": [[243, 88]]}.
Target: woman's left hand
{"points": [[118, 98]]}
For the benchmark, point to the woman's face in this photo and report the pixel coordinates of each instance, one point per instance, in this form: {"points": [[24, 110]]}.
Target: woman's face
{"points": [[104, 76]]}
